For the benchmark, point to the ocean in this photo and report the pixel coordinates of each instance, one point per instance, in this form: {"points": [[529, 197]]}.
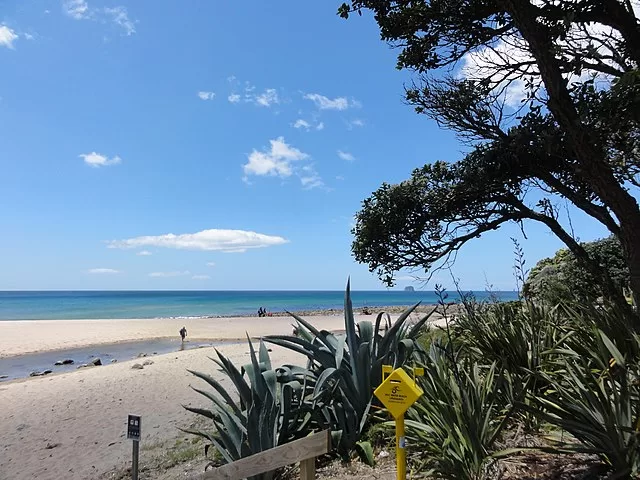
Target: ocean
{"points": [[55, 305]]}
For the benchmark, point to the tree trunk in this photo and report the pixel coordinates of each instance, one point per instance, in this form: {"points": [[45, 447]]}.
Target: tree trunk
{"points": [[630, 240], [592, 163]]}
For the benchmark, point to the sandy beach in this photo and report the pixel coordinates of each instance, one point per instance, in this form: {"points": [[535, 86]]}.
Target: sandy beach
{"points": [[72, 425]]}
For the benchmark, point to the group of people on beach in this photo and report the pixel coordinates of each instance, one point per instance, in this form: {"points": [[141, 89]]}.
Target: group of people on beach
{"points": [[262, 312]]}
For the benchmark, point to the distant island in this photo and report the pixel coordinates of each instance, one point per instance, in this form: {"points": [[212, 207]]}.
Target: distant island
{"points": [[409, 289]]}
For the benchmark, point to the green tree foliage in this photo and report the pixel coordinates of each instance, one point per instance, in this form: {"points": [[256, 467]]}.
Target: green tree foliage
{"points": [[563, 277], [575, 135]]}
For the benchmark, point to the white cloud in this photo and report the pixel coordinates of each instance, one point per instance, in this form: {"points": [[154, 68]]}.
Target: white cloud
{"points": [[355, 123], [274, 162], [211, 264], [28, 36], [320, 126], [201, 277], [233, 241], [267, 98], [234, 98], [206, 95], [339, 177], [346, 156], [300, 123], [98, 160], [325, 103], [102, 271], [78, 9], [169, 274], [120, 17], [7, 36], [310, 178], [144, 253]]}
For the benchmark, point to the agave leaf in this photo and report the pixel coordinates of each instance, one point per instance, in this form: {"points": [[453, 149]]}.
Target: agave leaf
{"points": [[264, 356], [237, 415], [340, 350], [218, 388], [365, 329], [201, 411], [350, 326], [244, 391]]}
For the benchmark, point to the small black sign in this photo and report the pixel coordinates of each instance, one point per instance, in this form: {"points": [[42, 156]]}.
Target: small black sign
{"points": [[134, 426]]}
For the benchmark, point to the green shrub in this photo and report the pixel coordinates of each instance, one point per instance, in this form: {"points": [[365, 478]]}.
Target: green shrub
{"points": [[454, 426], [348, 368], [271, 410]]}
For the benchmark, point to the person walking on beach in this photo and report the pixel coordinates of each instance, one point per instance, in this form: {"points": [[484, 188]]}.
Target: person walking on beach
{"points": [[183, 333]]}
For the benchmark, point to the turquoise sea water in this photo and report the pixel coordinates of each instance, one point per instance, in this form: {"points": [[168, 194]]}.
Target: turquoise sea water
{"points": [[157, 304]]}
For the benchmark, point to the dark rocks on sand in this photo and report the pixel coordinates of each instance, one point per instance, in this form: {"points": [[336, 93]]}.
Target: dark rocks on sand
{"points": [[96, 362], [114, 360], [147, 362], [140, 355], [84, 365], [40, 374], [66, 361], [2, 377], [136, 366]]}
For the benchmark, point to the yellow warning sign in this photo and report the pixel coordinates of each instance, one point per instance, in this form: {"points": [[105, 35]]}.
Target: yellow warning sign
{"points": [[398, 392]]}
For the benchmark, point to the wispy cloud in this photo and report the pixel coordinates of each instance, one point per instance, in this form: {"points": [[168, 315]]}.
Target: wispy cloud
{"points": [[169, 274], [103, 271], [230, 241], [310, 178], [355, 123], [7, 37], [144, 253], [267, 98], [98, 160], [211, 264], [326, 103], [275, 161], [201, 277], [303, 124], [300, 123], [346, 156], [206, 95], [78, 9], [118, 15]]}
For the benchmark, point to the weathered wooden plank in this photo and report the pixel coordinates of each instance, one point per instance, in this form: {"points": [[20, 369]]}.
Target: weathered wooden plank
{"points": [[272, 459]]}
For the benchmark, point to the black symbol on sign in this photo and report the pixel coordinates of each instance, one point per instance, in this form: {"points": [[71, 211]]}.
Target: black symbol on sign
{"points": [[394, 390]]}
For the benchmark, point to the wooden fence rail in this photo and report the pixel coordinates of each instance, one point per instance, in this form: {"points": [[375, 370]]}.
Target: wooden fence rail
{"points": [[304, 450]]}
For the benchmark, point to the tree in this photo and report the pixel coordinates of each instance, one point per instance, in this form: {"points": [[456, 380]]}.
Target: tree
{"points": [[563, 278], [573, 132]]}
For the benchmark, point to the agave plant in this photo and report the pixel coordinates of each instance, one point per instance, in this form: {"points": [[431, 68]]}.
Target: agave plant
{"points": [[454, 426], [271, 409], [348, 368]]}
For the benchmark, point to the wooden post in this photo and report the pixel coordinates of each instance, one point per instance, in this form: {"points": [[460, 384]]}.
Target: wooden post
{"points": [[134, 463], [308, 469]]}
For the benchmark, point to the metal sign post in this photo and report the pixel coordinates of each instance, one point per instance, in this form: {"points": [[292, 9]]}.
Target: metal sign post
{"points": [[134, 427], [397, 393]]}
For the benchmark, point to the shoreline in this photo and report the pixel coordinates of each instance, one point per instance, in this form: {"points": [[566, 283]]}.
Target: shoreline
{"points": [[22, 337], [374, 310]]}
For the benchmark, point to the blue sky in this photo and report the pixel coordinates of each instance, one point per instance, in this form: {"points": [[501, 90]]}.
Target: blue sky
{"points": [[250, 132]]}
